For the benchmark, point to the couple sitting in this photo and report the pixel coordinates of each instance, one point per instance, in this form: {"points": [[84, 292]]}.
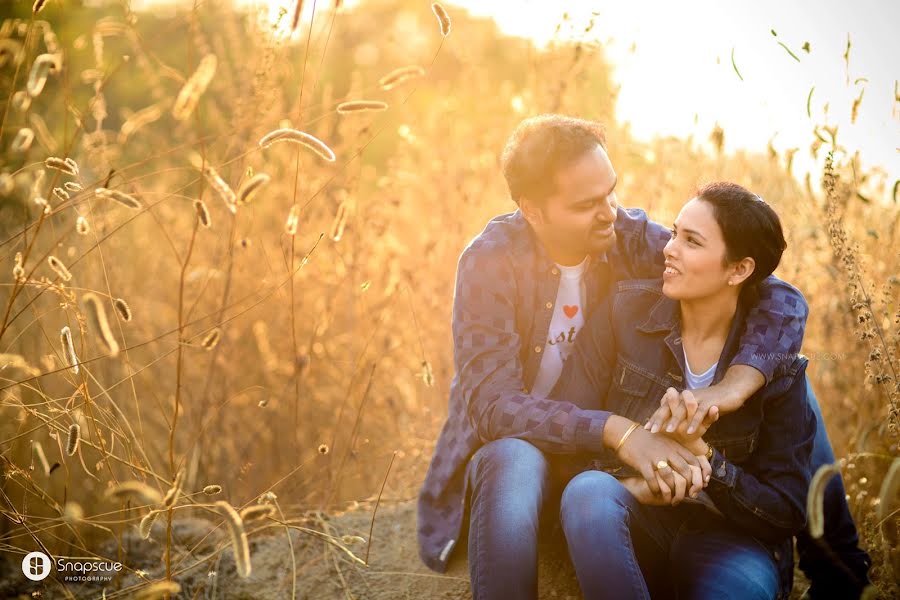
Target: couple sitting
{"points": [[643, 382]]}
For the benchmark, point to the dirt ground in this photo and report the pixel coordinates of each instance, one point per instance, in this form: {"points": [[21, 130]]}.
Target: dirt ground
{"points": [[324, 571]]}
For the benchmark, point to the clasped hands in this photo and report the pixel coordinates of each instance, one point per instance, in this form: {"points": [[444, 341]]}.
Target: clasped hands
{"points": [[669, 451]]}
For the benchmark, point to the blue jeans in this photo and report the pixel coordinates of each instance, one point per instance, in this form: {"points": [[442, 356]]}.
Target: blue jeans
{"points": [[509, 480], [830, 580], [623, 549]]}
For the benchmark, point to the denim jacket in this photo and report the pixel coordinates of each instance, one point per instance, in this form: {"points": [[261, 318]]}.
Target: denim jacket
{"points": [[506, 285], [630, 352]]}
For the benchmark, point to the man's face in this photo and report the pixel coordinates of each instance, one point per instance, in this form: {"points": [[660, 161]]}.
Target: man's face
{"points": [[578, 218]]}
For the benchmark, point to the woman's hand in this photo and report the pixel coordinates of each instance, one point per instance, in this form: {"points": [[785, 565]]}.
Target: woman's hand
{"points": [[682, 416], [659, 459]]}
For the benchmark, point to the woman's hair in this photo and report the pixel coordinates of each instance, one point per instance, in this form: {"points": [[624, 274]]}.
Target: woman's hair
{"points": [[539, 146], [749, 226]]}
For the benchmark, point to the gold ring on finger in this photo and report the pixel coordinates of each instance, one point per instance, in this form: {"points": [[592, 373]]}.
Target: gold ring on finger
{"points": [[662, 465]]}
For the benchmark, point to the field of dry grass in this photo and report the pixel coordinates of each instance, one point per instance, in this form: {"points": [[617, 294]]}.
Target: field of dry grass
{"points": [[226, 291]]}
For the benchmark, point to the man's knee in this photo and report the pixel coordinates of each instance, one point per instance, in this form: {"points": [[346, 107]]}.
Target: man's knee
{"points": [[511, 457]]}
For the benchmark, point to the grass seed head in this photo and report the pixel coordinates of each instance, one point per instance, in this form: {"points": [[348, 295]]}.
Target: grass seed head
{"points": [[212, 490], [257, 512], [73, 439], [202, 213], [251, 186], [354, 106], [82, 226], [59, 268], [190, 94], [97, 313], [69, 348], [22, 141], [123, 309], [442, 17], [212, 339], [400, 76], [139, 489], [306, 140], [238, 537], [290, 226], [146, 525], [119, 196]]}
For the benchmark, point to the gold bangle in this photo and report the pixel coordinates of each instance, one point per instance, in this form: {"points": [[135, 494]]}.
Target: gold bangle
{"points": [[625, 436], [709, 452]]}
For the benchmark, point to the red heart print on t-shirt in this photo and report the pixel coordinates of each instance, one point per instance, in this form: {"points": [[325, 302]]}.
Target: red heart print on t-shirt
{"points": [[570, 311]]}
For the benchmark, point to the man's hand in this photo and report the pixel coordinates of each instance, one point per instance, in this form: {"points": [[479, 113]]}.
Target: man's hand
{"points": [[691, 419], [642, 493], [659, 459]]}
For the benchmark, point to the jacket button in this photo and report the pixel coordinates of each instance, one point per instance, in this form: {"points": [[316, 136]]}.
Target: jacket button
{"points": [[549, 305], [537, 349], [555, 271]]}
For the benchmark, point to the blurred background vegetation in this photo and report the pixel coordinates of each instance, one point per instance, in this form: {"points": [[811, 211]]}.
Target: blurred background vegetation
{"points": [[335, 354]]}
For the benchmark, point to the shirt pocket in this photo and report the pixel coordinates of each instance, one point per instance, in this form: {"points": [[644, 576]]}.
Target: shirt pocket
{"points": [[636, 392], [736, 449]]}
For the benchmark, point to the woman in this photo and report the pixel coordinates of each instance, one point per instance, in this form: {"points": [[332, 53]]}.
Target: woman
{"points": [[628, 542]]}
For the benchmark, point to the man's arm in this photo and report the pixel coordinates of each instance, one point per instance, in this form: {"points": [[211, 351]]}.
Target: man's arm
{"points": [[773, 334], [486, 356]]}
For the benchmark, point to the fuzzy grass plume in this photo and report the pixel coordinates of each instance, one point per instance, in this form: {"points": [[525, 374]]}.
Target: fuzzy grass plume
{"points": [[302, 138], [212, 339], [238, 537], [59, 268], [249, 189], [400, 76], [354, 106], [120, 197], [202, 213], [190, 94], [138, 489], [69, 348], [97, 313], [82, 226], [22, 141], [221, 187], [74, 439], [293, 218], [123, 309], [442, 17], [66, 165]]}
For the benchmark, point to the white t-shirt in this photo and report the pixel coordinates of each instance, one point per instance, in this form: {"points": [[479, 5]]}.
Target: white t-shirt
{"points": [[567, 320], [696, 381]]}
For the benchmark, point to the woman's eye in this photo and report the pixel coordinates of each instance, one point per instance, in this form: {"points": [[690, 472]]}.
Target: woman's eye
{"points": [[673, 232], [692, 241]]}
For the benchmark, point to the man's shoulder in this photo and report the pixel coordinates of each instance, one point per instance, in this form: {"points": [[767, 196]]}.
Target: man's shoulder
{"points": [[638, 291], [504, 235]]}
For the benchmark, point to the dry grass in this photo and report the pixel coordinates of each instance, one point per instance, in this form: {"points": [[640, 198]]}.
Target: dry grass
{"points": [[299, 343]]}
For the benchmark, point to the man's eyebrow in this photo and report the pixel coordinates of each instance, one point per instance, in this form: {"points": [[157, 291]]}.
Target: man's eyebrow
{"points": [[593, 198]]}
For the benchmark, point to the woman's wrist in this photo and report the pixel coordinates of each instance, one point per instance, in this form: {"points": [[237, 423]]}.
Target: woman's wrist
{"points": [[698, 447], [615, 428]]}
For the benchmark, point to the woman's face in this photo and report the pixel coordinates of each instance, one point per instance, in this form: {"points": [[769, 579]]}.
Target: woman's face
{"points": [[695, 256]]}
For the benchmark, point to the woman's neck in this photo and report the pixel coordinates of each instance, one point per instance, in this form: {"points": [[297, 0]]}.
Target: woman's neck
{"points": [[705, 323]]}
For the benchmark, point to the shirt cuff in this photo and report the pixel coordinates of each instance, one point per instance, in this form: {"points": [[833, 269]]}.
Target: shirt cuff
{"points": [[589, 430]]}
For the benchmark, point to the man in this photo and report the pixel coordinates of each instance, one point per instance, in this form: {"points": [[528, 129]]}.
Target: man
{"points": [[524, 288]]}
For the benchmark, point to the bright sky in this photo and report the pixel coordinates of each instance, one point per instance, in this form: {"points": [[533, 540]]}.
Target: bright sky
{"points": [[673, 62]]}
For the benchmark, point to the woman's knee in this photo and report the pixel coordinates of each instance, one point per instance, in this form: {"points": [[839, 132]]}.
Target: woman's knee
{"points": [[592, 497]]}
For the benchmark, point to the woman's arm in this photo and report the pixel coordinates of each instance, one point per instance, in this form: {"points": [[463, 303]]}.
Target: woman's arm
{"points": [[766, 496]]}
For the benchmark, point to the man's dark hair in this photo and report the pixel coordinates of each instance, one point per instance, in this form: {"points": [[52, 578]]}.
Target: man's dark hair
{"points": [[749, 226], [539, 146]]}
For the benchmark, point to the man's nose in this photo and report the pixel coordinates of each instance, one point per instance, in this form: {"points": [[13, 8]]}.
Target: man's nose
{"points": [[606, 211]]}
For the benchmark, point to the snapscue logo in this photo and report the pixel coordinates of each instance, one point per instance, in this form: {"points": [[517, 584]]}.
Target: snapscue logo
{"points": [[37, 566]]}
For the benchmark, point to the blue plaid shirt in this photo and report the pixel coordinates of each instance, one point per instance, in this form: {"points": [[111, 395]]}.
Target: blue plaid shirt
{"points": [[506, 285]]}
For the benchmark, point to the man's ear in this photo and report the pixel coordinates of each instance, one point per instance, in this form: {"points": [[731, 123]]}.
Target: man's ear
{"points": [[742, 270], [531, 211]]}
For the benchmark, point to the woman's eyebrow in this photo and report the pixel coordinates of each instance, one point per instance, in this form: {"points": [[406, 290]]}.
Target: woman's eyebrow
{"points": [[694, 232]]}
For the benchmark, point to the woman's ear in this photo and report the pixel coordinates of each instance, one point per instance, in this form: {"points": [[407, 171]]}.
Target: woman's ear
{"points": [[741, 270]]}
